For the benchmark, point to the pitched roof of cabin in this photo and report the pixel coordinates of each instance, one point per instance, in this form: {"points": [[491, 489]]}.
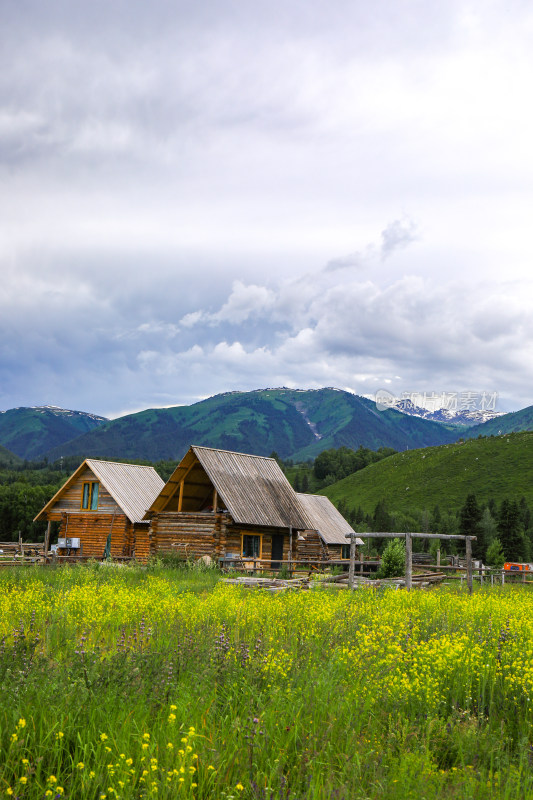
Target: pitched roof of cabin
{"points": [[132, 486], [253, 488], [324, 518]]}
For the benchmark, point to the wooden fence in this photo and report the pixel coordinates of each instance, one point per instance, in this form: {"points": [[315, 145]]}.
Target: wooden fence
{"points": [[409, 536], [21, 552]]}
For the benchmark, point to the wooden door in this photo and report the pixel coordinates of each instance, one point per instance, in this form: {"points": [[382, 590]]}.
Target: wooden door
{"points": [[277, 550]]}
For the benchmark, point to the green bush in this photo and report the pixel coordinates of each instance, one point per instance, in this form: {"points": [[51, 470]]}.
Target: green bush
{"points": [[392, 560], [495, 556]]}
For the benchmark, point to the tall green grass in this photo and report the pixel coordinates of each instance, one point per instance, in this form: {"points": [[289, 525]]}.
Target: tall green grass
{"points": [[108, 673]]}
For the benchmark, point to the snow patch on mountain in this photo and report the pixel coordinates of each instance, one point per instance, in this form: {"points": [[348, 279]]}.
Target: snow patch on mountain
{"points": [[301, 410], [459, 416]]}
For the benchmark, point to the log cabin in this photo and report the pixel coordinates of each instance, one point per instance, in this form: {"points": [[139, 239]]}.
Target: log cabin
{"points": [[241, 509], [327, 540], [233, 507], [103, 498]]}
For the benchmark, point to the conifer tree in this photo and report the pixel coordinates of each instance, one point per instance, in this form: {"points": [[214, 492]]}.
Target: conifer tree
{"points": [[495, 554], [510, 530], [489, 526], [469, 525]]}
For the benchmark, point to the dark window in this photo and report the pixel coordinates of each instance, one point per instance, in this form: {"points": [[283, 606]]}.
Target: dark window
{"points": [[345, 551], [251, 546]]}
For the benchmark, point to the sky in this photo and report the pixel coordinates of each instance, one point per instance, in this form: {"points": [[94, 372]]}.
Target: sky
{"points": [[207, 197]]}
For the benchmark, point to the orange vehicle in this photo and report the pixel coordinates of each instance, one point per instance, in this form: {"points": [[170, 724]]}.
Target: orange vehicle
{"points": [[512, 566]]}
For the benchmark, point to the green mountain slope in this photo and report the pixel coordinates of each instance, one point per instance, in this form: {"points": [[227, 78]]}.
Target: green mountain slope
{"points": [[495, 467], [8, 459], [30, 432], [296, 424], [515, 421]]}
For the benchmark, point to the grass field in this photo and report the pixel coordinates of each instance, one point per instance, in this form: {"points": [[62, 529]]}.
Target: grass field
{"points": [[495, 468], [130, 683]]}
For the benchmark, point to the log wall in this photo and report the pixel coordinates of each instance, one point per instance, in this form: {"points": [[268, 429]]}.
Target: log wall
{"points": [[194, 535], [190, 534], [141, 542], [93, 530]]}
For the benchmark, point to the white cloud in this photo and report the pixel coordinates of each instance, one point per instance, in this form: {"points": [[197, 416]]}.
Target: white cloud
{"points": [[174, 178]]}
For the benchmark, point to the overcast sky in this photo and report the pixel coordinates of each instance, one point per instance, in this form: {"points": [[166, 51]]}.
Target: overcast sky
{"points": [[203, 197]]}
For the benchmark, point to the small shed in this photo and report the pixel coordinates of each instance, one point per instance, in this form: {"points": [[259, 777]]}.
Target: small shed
{"points": [[229, 506], [102, 498], [327, 530]]}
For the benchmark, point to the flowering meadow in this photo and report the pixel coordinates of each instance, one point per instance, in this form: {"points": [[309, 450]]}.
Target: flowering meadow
{"points": [[132, 683]]}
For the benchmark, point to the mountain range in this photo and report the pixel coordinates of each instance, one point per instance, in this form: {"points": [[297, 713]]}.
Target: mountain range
{"points": [[31, 432], [295, 423]]}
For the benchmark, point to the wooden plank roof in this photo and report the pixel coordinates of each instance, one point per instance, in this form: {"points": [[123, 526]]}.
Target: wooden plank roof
{"points": [[253, 488], [324, 518], [132, 486]]}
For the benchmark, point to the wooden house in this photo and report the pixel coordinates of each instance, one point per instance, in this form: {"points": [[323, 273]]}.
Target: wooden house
{"points": [[241, 509], [233, 507], [102, 498], [328, 528]]}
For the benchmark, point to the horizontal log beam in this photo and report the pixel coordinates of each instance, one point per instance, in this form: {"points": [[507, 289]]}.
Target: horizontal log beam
{"points": [[388, 535]]}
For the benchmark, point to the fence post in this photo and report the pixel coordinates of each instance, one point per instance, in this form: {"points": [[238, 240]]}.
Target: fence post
{"points": [[351, 571], [47, 540], [469, 579], [408, 562]]}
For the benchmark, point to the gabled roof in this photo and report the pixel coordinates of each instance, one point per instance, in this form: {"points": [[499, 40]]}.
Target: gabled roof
{"points": [[253, 488], [324, 518], [132, 487]]}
